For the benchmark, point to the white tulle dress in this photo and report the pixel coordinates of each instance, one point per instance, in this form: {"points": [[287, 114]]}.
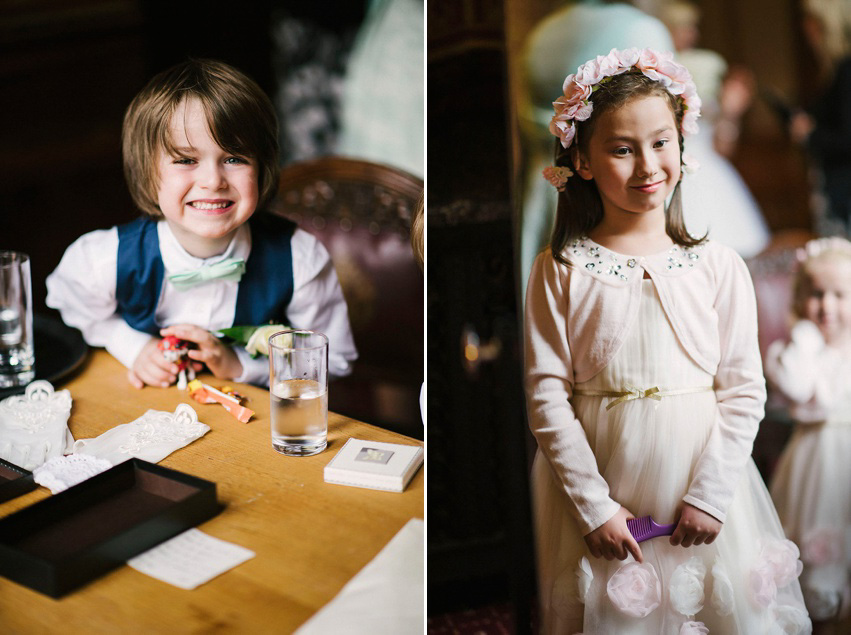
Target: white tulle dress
{"points": [[811, 485], [744, 583], [715, 198]]}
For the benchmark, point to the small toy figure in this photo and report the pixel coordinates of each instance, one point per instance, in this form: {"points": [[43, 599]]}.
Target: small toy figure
{"points": [[176, 350]]}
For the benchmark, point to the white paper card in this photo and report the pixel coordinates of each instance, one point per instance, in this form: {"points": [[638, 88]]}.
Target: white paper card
{"points": [[385, 597], [190, 559]]}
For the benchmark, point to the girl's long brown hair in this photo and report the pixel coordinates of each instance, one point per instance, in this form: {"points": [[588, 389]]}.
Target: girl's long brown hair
{"points": [[580, 208]]}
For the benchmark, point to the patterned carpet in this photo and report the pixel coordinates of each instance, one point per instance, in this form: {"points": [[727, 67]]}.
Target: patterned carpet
{"points": [[497, 619]]}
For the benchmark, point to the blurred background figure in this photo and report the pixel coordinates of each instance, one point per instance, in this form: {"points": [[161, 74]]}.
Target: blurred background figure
{"points": [[382, 107], [349, 81], [715, 198], [557, 45], [825, 129], [811, 485]]}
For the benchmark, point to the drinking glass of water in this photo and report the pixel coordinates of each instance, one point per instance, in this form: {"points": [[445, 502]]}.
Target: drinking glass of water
{"points": [[17, 351], [298, 384]]}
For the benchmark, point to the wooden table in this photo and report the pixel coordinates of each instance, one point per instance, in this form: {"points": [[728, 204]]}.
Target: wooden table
{"points": [[310, 537]]}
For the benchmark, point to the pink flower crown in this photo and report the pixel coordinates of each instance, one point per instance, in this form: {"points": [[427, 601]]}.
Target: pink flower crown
{"points": [[820, 246], [575, 105]]}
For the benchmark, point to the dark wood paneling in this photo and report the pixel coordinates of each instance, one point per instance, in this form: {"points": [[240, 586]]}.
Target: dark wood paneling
{"points": [[479, 539]]}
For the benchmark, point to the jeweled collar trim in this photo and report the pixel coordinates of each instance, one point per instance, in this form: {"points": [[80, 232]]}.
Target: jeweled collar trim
{"points": [[611, 266]]}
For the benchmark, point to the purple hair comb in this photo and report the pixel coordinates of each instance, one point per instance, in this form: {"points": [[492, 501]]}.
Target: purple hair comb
{"points": [[645, 528]]}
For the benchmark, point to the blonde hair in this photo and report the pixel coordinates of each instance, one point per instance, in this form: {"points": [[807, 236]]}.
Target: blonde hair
{"points": [[817, 250], [240, 116], [677, 13], [835, 19], [417, 232]]}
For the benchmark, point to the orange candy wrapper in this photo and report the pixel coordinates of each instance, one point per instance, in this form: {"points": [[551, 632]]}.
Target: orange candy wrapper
{"points": [[202, 393]]}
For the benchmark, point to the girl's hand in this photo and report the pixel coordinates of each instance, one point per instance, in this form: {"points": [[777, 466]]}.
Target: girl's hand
{"points": [[695, 527], [220, 359], [150, 367], [612, 539]]}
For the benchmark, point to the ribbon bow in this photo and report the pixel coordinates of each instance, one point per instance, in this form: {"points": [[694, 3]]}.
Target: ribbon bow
{"points": [[635, 393], [230, 269]]}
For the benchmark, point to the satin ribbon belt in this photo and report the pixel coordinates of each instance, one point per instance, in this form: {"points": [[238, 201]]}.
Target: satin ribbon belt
{"points": [[620, 396]]}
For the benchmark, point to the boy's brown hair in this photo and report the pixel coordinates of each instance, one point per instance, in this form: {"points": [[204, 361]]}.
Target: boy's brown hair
{"points": [[417, 231], [240, 116]]}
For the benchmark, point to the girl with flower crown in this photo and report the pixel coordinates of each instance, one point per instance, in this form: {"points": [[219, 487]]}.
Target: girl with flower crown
{"points": [[811, 485], [644, 382]]}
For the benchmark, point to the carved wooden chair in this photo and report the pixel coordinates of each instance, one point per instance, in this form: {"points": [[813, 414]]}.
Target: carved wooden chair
{"points": [[362, 213]]}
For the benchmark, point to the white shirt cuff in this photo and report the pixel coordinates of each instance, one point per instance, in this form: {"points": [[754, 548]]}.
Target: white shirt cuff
{"points": [[705, 507], [124, 342], [255, 370]]}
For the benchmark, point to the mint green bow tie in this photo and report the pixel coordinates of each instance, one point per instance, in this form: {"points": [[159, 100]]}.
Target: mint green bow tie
{"points": [[230, 269]]}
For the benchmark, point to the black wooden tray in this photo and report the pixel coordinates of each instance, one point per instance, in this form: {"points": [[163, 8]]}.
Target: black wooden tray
{"points": [[14, 481], [71, 538]]}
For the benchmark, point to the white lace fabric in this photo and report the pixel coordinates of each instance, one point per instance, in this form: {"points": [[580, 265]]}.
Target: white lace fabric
{"points": [[61, 472], [34, 426], [151, 437]]}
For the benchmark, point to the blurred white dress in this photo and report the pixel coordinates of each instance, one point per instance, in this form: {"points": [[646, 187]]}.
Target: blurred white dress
{"points": [[811, 485], [647, 450], [716, 198]]}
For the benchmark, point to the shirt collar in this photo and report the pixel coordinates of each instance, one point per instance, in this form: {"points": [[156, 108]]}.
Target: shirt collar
{"points": [[620, 269], [176, 258]]}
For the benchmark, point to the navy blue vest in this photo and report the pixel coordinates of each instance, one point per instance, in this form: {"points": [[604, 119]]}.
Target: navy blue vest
{"points": [[265, 289]]}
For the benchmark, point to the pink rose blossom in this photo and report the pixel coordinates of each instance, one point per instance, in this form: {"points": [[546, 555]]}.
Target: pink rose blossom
{"points": [[657, 77], [791, 620], [580, 111], [690, 123], [589, 73], [609, 64], [821, 546], [574, 92], [690, 164], [722, 590], [762, 586], [781, 556], [584, 577], [694, 628], [557, 176], [635, 589], [628, 57], [648, 58], [677, 72], [686, 587]]}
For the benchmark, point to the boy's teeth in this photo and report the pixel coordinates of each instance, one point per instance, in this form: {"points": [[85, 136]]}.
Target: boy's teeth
{"points": [[199, 205]]}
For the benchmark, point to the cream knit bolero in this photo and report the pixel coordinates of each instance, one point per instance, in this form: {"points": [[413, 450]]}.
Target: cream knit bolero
{"points": [[578, 317]]}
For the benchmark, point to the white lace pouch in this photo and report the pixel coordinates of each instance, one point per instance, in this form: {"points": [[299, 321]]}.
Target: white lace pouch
{"points": [[61, 472], [151, 437], [34, 426]]}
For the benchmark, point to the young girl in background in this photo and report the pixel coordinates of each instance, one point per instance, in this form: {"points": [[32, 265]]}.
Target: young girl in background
{"points": [[200, 156], [644, 382], [811, 485]]}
